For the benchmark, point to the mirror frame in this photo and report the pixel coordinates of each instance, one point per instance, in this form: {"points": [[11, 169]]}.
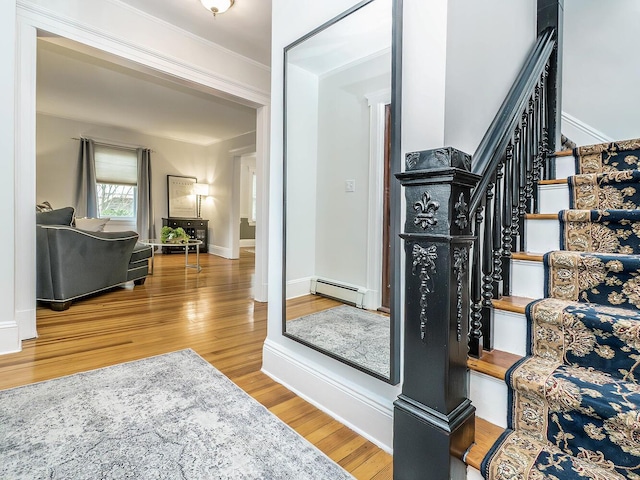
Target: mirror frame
{"points": [[394, 194]]}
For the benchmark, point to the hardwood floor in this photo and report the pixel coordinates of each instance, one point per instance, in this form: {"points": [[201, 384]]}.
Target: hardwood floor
{"points": [[210, 312]]}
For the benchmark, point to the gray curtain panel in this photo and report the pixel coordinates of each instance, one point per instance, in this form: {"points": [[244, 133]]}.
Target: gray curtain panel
{"points": [[86, 193], [145, 221]]}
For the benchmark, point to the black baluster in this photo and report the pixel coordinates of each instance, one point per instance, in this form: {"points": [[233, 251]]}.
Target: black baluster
{"points": [[506, 215], [497, 231], [522, 187], [475, 326], [487, 269]]}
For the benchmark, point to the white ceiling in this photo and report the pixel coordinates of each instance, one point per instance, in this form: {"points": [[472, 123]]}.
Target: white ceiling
{"points": [[88, 87], [245, 28], [362, 34]]}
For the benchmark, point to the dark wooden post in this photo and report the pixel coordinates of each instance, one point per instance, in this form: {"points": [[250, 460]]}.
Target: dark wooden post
{"points": [[433, 417], [551, 15]]}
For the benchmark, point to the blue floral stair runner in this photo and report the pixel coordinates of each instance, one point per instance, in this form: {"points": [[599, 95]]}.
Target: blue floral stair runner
{"points": [[574, 400]]}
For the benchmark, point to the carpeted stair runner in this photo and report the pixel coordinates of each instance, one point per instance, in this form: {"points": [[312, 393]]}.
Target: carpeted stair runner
{"points": [[574, 400]]}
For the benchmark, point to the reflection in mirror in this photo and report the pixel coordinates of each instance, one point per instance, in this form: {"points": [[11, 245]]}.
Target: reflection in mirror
{"points": [[338, 140]]}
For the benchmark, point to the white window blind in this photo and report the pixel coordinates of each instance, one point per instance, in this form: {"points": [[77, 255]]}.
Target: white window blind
{"points": [[116, 166], [116, 182]]}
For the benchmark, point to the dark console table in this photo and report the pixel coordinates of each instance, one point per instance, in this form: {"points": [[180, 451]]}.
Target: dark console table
{"points": [[196, 228]]}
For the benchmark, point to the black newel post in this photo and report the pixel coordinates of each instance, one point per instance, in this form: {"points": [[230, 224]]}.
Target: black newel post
{"points": [[433, 417]]}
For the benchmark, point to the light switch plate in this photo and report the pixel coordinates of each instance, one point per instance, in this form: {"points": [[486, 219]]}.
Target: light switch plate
{"points": [[349, 185]]}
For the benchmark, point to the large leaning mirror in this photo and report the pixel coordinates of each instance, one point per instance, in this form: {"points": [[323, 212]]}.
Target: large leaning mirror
{"points": [[342, 110]]}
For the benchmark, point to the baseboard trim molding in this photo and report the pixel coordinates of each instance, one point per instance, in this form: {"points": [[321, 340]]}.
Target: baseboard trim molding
{"points": [[247, 242], [223, 252], [597, 135], [26, 321], [299, 287], [9, 338], [368, 417]]}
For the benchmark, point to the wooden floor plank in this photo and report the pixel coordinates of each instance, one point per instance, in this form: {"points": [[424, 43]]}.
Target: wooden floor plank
{"points": [[210, 312]]}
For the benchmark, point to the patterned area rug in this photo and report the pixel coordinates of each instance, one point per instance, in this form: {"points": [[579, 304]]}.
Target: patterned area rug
{"points": [[574, 400], [168, 417], [361, 336]]}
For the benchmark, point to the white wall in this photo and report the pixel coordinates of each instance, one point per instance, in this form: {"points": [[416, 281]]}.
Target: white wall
{"points": [[362, 402], [219, 173], [481, 64], [343, 154], [248, 166], [302, 160], [601, 71]]}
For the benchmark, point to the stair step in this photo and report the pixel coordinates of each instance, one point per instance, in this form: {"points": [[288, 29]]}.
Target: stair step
{"points": [[512, 303], [541, 216], [562, 153], [528, 256], [487, 388], [486, 435], [554, 181], [494, 363]]}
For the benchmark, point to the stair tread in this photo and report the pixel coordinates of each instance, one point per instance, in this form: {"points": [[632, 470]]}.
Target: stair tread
{"points": [[541, 216], [494, 363], [531, 257], [554, 181], [562, 153], [486, 435], [512, 303]]}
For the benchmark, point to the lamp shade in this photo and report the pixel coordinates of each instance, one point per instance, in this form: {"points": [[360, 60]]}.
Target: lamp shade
{"points": [[217, 6], [201, 189]]}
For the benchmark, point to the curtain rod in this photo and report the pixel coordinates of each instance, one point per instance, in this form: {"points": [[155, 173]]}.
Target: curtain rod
{"points": [[114, 145]]}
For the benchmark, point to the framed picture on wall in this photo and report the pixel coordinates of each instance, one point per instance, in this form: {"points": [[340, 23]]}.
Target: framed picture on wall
{"points": [[182, 200]]}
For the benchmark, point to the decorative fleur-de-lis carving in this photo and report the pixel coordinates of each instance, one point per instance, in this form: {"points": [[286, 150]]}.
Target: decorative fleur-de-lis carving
{"points": [[412, 159], [460, 261], [426, 209], [462, 212], [425, 259]]}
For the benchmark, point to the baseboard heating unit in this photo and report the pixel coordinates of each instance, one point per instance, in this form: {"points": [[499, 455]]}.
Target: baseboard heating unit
{"points": [[350, 294]]}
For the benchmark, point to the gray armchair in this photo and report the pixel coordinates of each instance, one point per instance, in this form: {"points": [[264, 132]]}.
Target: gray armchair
{"points": [[72, 263]]}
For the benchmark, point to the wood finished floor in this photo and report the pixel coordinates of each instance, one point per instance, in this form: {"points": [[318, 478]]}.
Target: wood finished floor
{"points": [[212, 313]]}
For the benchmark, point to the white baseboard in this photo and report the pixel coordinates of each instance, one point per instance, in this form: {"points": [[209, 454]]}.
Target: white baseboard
{"points": [[353, 408], [223, 252], [299, 287], [247, 242], [9, 337], [26, 320]]}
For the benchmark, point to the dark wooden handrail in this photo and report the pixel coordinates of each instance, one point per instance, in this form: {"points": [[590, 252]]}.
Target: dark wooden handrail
{"points": [[494, 142]]}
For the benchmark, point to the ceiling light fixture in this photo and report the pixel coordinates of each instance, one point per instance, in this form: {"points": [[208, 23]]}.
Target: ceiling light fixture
{"points": [[217, 6]]}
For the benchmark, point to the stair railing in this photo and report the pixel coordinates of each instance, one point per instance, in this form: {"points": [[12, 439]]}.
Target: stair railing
{"points": [[511, 160]]}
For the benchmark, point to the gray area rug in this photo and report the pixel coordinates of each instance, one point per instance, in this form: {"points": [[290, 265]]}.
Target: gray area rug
{"points": [[168, 417], [361, 336]]}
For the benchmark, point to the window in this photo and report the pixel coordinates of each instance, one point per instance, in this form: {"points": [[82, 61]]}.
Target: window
{"points": [[116, 182]]}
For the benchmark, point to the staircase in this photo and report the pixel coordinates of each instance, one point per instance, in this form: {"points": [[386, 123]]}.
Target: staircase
{"points": [[558, 397]]}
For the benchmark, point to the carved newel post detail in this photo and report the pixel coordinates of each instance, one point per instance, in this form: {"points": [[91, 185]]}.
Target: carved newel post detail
{"points": [[433, 417]]}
